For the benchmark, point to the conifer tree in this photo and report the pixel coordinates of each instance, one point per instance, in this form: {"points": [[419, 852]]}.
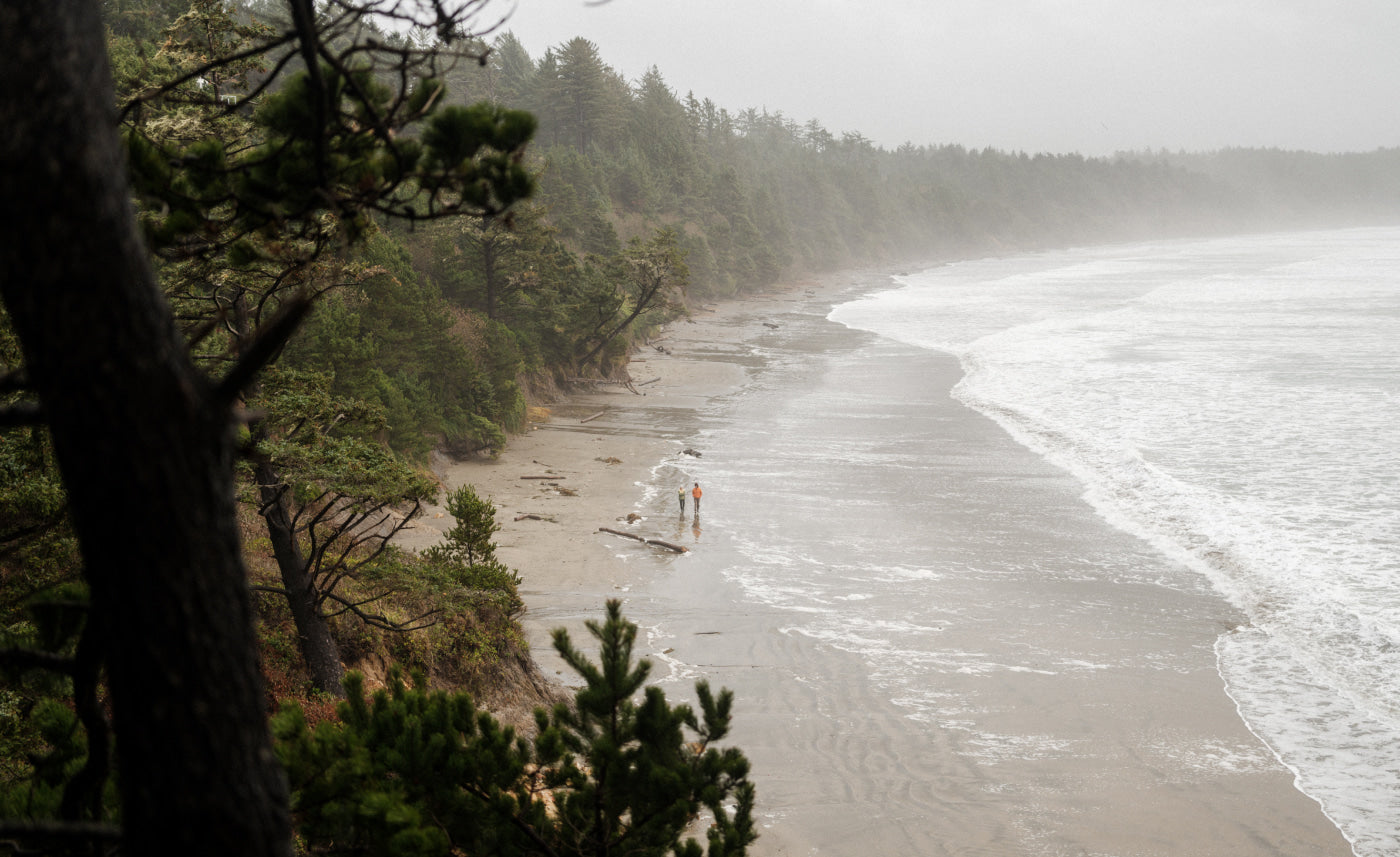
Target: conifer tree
{"points": [[625, 780], [414, 772], [134, 417], [469, 554]]}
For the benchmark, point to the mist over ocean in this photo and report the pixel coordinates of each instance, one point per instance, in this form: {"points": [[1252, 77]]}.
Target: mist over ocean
{"points": [[1191, 487]]}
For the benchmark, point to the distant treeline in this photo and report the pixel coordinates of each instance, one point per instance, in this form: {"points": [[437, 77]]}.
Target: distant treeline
{"points": [[379, 256], [755, 193], [1275, 188], [649, 201]]}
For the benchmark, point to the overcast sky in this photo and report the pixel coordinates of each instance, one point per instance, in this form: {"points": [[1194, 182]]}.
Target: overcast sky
{"points": [[1089, 76]]}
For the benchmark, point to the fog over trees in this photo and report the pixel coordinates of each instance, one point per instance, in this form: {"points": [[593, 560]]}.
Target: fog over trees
{"points": [[262, 258]]}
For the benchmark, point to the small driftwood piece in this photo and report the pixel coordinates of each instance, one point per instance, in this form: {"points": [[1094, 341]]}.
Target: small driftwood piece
{"points": [[541, 477], [592, 418], [531, 516], [652, 381]]}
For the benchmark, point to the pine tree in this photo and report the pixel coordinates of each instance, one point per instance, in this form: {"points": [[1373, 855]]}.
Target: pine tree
{"points": [[625, 779], [469, 554], [414, 772], [151, 487]]}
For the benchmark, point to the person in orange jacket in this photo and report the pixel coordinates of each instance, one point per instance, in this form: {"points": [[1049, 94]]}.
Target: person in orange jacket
{"points": [[696, 492]]}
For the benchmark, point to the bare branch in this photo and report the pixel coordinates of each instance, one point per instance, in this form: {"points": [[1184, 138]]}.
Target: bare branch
{"points": [[415, 624], [22, 414], [305, 507], [268, 341], [30, 659], [14, 380], [13, 829], [83, 793], [281, 490], [304, 19]]}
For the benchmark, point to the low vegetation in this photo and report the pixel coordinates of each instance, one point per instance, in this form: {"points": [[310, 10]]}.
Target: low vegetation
{"points": [[352, 247]]}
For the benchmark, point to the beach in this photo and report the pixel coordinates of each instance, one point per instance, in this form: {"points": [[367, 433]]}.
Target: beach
{"points": [[1076, 706]]}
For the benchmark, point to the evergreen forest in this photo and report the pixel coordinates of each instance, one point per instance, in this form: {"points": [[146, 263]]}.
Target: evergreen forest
{"points": [[271, 255]]}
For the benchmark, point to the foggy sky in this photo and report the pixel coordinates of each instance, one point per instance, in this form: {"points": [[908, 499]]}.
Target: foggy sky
{"points": [[1089, 76]]}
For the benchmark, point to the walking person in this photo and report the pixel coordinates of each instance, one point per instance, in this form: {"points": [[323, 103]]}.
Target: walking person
{"points": [[696, 492], [680, 495]]}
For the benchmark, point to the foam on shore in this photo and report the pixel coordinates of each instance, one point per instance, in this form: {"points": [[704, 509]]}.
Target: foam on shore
{"points": [[846, 762]]}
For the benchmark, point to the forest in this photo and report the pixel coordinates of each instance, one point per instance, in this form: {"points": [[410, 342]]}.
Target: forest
{"points": [[308, 245]]}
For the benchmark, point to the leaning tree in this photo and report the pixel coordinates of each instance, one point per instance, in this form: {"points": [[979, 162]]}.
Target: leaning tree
{"points": [[145, 438]]}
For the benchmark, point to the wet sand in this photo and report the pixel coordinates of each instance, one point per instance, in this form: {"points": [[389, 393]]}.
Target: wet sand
{"points": [[842, 769]]}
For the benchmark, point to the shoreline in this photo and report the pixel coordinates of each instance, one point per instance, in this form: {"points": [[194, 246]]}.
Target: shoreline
{"points": [[599, 449], [609, 452]]}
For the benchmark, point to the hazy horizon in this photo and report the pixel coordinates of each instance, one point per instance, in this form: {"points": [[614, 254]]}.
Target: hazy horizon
{"points": [[1087, 76]]}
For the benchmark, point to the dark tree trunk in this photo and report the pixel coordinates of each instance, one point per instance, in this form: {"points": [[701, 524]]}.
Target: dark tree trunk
{"points": [[317, 646], [146, 449]]}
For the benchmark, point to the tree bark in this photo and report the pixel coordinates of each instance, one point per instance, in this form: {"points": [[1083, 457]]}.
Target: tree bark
{"points": [[146, 449], [317, 646]]}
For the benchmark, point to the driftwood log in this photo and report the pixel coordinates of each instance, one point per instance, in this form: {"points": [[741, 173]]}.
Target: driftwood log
{"points": [[667, 545], [608, 381], [592, 418], [636, 538], [541, 477]]}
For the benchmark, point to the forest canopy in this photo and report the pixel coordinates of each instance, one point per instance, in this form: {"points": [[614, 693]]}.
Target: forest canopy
{"points": [[269, 257]]}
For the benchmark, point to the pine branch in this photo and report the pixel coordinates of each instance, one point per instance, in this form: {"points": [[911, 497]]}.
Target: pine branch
{"points": [[157, 93]]}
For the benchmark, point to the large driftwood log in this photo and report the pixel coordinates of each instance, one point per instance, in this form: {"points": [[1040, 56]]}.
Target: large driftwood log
{"points": [[612, 382], [668, 546], [636, 538]]}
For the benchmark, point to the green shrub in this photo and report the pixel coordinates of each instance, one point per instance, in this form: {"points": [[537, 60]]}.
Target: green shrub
{"points": [[413, 773]]}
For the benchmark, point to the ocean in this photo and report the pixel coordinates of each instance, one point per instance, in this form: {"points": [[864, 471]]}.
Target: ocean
{"points": [[1234, 404], [1191, 485]]}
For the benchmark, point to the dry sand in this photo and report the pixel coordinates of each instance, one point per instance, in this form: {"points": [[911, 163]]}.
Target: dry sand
{"points": [[595, 466], [836, 771]]}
